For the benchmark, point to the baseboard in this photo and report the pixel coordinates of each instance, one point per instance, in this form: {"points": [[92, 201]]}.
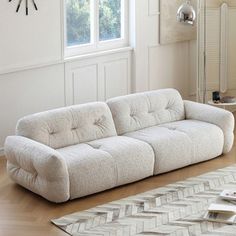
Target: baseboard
{"points": [[1, 152]]}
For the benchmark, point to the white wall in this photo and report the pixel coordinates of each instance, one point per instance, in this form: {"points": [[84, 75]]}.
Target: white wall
{"points": [[34, 77], [30, 40]]}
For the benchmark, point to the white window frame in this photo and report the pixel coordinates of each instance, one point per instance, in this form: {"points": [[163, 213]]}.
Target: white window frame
{"points": [[95, 45]]}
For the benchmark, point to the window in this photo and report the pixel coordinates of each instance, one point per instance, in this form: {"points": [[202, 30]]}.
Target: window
{"points": [[109, 19], [78, 22], [94, 25]]}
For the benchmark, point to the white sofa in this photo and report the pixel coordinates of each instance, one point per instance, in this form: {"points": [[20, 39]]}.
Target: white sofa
{"points": [[75, 151]]}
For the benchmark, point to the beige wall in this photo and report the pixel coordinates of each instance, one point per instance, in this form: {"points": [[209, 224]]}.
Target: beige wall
{"points": [[159, 66]]}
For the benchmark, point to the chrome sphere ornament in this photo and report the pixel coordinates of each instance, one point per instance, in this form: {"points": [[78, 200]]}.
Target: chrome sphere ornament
{"points": [[186, 13]]}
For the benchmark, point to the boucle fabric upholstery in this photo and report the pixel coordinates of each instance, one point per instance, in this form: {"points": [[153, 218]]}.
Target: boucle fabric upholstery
{"points": [[142, 110], [222, 118], [134, 159], [74, 151], [38, 168], [181, 143], [207, 140], [68, 126], [106, 163], [172, 149], [90, 170]]}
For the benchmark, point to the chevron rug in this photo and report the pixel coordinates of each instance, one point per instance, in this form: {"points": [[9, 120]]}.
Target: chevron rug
{"points": [[174, 210]]}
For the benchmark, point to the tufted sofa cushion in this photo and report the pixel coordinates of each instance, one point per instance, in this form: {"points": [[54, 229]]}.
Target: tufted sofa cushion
{"points": [[106, 163], [68, 126], [181, 143], [142, 110]]}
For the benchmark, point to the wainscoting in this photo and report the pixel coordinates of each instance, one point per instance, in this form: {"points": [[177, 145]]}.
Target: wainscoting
{"points": [[98, 79]]}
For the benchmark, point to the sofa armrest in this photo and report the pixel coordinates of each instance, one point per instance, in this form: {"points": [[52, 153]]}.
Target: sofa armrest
{"points": [[38, 168], [217, 116]]}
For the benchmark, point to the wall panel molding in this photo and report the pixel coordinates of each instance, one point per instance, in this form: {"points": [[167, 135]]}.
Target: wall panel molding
{"points": [[115, 67], [153, 7], [116, 75], [85, 84], [25, 67]]}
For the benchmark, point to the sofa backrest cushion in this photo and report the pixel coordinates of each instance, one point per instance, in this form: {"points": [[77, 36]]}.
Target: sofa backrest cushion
{"points": [[142, 110], [69, 125]]}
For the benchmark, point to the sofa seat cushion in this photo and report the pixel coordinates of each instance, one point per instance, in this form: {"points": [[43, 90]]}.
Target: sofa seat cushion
{"points": [[102, 164], [181, 143]]}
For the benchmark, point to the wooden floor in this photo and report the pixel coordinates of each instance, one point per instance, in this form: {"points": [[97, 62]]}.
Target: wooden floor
{"points": [[23, 213]]}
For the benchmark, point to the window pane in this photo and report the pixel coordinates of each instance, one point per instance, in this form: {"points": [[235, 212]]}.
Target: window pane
{"points": [[78, 22], [109, 19]]}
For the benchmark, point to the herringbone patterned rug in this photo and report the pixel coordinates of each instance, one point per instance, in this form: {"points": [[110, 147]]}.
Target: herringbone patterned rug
{"points": [[175, 209]]}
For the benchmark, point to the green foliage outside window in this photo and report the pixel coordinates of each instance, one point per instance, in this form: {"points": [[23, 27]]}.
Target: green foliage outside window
{"points": [[109, 19], [78, 21]]}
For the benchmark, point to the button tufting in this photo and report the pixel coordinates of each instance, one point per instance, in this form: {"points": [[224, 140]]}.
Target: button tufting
{"points": [[99, 121], [168, 106], [172, 128]]}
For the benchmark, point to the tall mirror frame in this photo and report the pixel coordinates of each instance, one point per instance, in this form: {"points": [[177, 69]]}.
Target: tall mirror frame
{"points": [[216, 48]]}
